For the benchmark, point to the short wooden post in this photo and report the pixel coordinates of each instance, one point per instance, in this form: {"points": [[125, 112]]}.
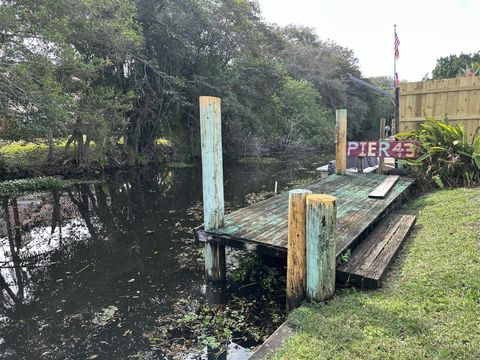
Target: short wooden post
{"points": [[296, 258], [212, 178], [381, 160], [321, 246], [341, 142], [360, 164]]}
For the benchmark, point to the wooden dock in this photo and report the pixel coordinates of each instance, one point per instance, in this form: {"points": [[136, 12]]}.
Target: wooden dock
{"points": [[263, 226]]}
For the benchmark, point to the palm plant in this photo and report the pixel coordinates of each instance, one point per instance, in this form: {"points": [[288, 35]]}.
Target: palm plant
{"points": [[472, 70], [447, 157]]}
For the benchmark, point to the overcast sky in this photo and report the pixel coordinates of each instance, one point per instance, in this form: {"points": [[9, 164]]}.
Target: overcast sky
{"points": [[427, 29]]}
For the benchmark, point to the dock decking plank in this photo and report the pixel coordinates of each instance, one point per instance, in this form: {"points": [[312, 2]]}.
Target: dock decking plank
{"points": [[382, 190], [265, 223], [369, 262]]}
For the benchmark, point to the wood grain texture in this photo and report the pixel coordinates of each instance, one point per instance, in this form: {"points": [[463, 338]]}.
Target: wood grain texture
{"points": [[265, 224], [296, 255], [457, 98], [212, 183], [384, 188], [369, 262], [321, 246], [341, 142], [212, 162]]}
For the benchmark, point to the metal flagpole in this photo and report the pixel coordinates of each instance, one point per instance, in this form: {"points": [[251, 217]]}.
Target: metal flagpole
{"points": [[394, 124]]}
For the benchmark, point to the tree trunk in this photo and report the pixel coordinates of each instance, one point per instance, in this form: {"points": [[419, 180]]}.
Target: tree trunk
{"points": [[50, 148]]}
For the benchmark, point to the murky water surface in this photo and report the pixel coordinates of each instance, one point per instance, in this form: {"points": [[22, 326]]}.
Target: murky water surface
{"points": [[105, 270]]}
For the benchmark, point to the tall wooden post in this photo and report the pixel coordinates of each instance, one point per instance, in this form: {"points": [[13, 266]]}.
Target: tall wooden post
{"points": [[296, 258], [321, 246], [341, 142], [212, 178], [381, 160]]}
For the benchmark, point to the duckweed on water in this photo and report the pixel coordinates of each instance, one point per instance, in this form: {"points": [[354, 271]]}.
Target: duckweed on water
{"points": [[253, 310], [21, 186]]}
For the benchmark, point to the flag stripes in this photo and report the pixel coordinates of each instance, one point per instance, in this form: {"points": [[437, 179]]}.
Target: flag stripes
{"points": [[397, 43]]}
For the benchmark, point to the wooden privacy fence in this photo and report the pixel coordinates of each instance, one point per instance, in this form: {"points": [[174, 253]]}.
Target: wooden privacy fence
{"points": [[458, 98]]}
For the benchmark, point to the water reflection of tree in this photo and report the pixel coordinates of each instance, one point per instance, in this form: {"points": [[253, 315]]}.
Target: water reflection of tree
{"points": [[14, 242], [81, 196], [127, 219]]}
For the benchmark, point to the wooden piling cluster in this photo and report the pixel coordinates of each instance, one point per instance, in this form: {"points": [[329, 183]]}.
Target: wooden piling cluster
{"points": [[311, 256]]}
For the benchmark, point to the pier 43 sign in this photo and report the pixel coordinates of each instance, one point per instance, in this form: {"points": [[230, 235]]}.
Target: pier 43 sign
{"points": [[384, 148]]}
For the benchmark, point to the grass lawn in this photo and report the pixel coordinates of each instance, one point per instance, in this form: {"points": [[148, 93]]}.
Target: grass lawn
{"points": [[18, 147], [429, 306]]}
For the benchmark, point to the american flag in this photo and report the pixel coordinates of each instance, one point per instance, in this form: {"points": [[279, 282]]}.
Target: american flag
{"points": [[397, 43]]}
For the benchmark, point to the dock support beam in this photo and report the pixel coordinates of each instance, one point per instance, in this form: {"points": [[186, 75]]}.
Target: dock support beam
{"points": [[321, 246], [296, 255], [341, 142], [381, 160], [212, 180]]}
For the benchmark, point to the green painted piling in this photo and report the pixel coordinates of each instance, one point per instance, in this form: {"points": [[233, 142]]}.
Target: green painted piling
{"points": [[212, 179], [321, 246]]}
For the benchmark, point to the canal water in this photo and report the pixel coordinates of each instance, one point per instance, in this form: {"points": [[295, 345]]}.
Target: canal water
{"points": [[109, 269]]}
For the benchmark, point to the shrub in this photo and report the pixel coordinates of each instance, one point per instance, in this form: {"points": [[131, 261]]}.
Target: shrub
{"points": [[447, 157]]}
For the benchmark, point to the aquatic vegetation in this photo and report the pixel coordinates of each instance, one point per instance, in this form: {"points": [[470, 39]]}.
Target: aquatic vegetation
{"points": [[106, 316], [255, 295], [21, 186]]}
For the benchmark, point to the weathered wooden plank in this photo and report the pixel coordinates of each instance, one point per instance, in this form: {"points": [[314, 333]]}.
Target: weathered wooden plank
{"points": [[265, 224], [380, 265], [371, 218], [370, 250], [369, 262], [384, 188]]}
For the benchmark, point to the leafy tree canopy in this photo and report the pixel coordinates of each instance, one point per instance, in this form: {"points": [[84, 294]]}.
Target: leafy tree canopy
{"points": [[455, 65], [122, 73]]}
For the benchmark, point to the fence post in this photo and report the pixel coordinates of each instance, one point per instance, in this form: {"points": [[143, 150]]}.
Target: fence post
{"points": [[296, 255], [321, 246], [212, 180], [381, 160], [341, 142]]}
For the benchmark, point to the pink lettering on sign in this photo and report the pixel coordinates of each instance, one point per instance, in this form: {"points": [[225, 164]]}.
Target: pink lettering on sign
{"points": [[384, 148]]}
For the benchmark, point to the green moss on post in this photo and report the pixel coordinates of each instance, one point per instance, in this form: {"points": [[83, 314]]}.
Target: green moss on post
{"points": [[321, 246], [212, 178]]}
